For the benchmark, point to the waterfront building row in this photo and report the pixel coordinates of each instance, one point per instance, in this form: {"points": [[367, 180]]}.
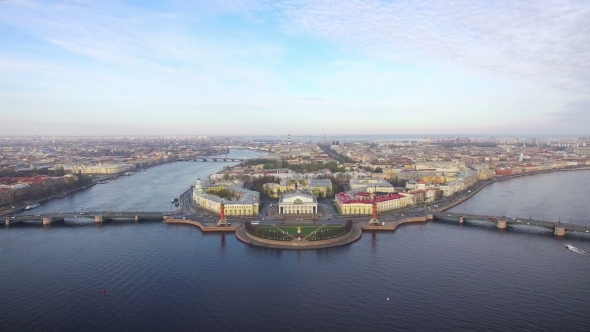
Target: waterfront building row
{"points": [[242, 203], [350, 203], [99, 169]]}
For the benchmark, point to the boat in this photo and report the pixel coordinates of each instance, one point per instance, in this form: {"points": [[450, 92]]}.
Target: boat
{"points": [[32, 206], [173, 200], [129, 173], [578, 250]]}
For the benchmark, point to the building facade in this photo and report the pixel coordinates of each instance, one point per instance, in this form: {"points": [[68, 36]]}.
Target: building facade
{"points": [[362, 202], [372, 185], [244, 203], [298, 203]]}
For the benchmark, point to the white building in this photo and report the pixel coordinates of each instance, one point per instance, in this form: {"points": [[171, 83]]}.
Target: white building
{"points": [[298, 203]]}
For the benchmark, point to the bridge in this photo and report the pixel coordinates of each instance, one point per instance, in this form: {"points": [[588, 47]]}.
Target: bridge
{"points": [[214, 159], [98, 217], [559, 228]]}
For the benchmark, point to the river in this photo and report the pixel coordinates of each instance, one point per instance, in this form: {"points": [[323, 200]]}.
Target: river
{"points": [[151, 276]]}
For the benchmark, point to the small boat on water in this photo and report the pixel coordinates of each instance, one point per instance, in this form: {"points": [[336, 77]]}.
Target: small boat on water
{"points": [[578, 250], [32, 206]]}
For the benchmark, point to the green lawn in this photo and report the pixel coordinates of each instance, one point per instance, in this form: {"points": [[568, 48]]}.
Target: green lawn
{"points": [[305, 230], [292, 230]]}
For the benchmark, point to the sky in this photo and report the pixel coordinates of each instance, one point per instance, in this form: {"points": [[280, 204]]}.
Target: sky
{"points": [[300, 67]]}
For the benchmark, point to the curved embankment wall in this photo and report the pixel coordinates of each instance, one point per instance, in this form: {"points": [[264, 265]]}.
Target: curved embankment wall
{"points": [[354, 234], [200, 225]]}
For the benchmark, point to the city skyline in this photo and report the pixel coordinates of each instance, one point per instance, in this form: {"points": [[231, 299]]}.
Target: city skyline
{"points": [[300, 67]]}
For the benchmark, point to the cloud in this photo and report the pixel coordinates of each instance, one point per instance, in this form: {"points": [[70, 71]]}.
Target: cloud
{"points": [[162, 44], [547, 41]]}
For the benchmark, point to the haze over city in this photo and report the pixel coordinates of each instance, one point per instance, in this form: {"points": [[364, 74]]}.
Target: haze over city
{"points": [[302, 67]]}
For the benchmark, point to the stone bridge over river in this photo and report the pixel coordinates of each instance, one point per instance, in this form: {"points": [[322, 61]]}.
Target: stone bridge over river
{"points": [[98, 216], [559, 228]]}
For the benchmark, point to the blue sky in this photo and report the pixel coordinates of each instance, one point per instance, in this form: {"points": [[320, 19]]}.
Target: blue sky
{"points": [[300, 67]]}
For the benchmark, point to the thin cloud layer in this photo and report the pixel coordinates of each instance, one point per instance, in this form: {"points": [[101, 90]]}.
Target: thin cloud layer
{"points": [[484, 65], [543, 40]]}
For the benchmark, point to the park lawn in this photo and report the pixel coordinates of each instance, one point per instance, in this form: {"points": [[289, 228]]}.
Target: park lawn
{"points": [[305, 230], [292, 230]]}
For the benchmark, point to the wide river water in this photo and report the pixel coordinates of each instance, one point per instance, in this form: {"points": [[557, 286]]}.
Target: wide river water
{"points": [[150, 276]]}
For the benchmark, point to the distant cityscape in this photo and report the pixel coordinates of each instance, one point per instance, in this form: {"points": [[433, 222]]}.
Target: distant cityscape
{"points": [[353, 174]]}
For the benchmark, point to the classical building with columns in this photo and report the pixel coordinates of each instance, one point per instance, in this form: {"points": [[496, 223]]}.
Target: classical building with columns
{"points": [[298, 203]]}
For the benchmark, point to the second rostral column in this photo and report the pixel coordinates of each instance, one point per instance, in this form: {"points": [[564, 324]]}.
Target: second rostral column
{"points": [[374, 221], [222, 222]]}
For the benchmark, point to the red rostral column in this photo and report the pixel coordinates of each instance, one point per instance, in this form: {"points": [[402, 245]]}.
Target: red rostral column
{"points": [[374, 221], [222, 208]]}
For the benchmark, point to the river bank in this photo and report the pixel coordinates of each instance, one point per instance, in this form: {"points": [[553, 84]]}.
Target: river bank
{"points": [[487, 183]]}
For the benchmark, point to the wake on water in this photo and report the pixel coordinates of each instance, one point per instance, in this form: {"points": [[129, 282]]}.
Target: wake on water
{"points": [[578, 250]]}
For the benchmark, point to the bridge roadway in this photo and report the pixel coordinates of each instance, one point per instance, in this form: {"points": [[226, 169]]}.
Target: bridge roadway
{"points": [[97, 216], [558, 227], [211, 159]]}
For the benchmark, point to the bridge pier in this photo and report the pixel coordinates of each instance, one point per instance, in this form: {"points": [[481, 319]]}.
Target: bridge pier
{"points": [[559, 231], [47, 221], [501, 224], [98, 218], [136, 218], [461, 220]]}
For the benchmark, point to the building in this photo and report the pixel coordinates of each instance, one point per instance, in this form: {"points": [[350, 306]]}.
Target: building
{"points": [[99, 169], [371, 185], [243, 203], [298, 203], [318, 187], [362, 202]]}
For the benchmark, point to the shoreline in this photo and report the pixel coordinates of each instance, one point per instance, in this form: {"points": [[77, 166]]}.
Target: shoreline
{"points": [[112, 177], [514, 176]]}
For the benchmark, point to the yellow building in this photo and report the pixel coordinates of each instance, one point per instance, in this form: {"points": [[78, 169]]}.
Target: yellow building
{"points": [[434, 178], [362, 202], [246, 203], [315, 186]]}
